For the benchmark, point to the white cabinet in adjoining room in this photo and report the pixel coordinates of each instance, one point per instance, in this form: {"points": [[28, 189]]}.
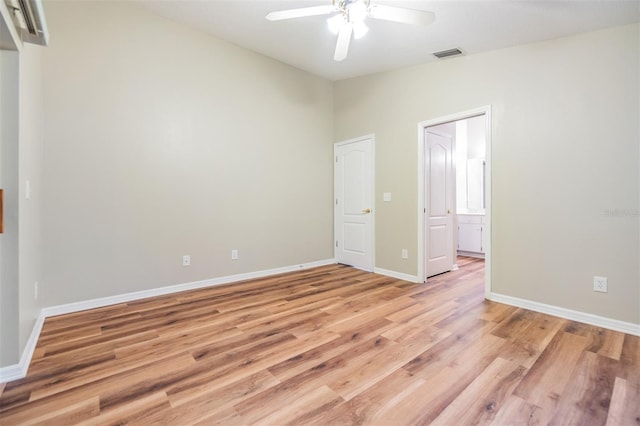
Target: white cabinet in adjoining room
{"points": [[471, 234]]}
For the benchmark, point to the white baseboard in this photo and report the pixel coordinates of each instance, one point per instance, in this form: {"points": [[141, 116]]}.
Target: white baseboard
{"points": [[398, 275], [471, 254], [18, 371], [128, 297], [11, 372], [611, 324]]}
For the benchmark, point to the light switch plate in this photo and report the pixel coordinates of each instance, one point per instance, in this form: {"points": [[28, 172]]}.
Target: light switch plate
{"points": [[386, 196]]}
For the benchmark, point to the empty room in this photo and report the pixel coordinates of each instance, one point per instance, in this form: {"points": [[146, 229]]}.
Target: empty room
{"points": [[317, 212]]}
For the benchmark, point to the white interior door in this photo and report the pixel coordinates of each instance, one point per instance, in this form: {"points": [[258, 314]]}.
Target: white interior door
{"points": [[439, 203], [353, 188]]}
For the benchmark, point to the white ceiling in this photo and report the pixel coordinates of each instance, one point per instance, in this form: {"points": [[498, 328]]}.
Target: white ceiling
{"points": [[473, 26]]}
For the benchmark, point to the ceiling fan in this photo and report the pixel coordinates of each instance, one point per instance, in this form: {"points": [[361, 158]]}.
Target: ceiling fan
{"points": [[350, 18]]}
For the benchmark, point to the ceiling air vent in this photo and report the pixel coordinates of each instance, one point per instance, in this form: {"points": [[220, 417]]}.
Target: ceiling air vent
{"points": [[447, 53]]}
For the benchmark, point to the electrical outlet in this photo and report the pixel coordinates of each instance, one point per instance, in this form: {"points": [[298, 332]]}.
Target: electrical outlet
{"points": [[600, 284], [234, 254], [405, 253], [35, 291], [186, 260]]}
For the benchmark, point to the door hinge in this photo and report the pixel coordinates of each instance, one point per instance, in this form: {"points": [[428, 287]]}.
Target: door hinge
{"points": [[336, 244], [336, 201], [336, 158]]}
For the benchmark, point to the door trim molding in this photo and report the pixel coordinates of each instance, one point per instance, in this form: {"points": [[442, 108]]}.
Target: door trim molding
{"points": [[371, 136], [422, 248]]}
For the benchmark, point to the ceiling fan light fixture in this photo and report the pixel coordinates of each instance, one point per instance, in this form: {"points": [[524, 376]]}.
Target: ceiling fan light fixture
{"points": [[360, 29], [335, 23], [358, 11]]}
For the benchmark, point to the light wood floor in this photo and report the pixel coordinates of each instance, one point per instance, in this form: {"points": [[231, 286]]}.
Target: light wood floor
{"points": [[331, 345]]}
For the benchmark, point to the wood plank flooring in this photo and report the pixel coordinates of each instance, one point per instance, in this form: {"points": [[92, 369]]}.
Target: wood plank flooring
{"points": [[327, 346]]}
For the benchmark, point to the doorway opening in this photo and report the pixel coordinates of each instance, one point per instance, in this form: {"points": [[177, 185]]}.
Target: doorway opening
{"points": [[444, 159]]}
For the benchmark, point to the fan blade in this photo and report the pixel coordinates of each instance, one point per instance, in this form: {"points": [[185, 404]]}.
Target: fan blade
{"points": [[301, 13], [342, 46], [402, 15]]}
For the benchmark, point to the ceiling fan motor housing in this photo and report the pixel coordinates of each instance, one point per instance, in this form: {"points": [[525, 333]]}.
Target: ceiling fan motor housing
{"points": [[353, 10]]}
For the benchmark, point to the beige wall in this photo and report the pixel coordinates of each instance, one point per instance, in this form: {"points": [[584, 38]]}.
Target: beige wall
{"points": [[565, 151], [162, 141]]}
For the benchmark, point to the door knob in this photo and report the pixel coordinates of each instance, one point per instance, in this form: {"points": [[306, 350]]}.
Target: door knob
{"points": [[366, 211]]}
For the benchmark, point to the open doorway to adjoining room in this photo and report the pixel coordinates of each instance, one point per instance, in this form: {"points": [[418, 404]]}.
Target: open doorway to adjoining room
{"points": [[454, 192]]}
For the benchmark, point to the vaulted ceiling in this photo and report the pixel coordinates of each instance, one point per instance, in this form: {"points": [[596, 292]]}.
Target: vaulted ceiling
{"points": [[473, 26]]}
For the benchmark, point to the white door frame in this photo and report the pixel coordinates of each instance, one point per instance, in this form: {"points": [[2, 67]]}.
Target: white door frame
{"points": [[422, 243], [373, 194]]}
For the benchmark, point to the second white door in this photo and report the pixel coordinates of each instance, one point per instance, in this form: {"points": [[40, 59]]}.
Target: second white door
{"points": [[439, 206], [354, 225]]}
